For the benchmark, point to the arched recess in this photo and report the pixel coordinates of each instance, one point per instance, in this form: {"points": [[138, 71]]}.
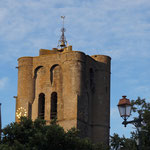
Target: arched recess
{"points": [[36, 70], [53, 113], [41, 106], [52, 72], [35, 77], [56, 79]]}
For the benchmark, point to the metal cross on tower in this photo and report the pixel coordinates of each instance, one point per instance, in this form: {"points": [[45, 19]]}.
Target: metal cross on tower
{"points": [[62, 40]]}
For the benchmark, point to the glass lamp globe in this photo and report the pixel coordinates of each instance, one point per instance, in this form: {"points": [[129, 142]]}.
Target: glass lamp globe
{"points": [[124, 107]]}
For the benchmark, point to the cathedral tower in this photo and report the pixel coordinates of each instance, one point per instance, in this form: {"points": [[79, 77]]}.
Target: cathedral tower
{"points": [[68, 85]]}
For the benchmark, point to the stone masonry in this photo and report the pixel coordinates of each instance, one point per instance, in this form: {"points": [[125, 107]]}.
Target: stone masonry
{"points": [[69, 85]]}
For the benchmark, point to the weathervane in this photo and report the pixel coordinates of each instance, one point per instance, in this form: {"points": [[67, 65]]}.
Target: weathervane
{"points": [[62, 40]]}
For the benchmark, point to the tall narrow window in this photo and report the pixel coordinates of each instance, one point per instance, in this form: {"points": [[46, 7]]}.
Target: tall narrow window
{"points": [[53, 105], [41, 107], [30, 110], [92, 79]]}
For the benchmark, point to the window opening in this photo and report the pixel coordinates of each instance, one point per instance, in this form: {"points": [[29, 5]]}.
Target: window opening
{"points": [[41, 107], [53, 105], [30, 110]]}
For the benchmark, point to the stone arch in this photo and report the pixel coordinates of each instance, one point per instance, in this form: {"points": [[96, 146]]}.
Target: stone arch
{"points": [[52, 73], [53, 107], [35, 77], [36, 70], [56, 80], [41, 106]]}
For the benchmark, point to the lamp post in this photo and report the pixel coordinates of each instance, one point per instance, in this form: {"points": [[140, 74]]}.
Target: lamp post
{"points": [[124, 107]]}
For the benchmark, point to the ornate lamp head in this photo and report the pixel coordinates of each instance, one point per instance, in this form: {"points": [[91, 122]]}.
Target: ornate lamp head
{"points": [[124, 107]]}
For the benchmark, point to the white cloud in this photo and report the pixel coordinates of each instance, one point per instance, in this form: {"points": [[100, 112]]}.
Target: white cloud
{"points": [[3, 82], [115, 27]]}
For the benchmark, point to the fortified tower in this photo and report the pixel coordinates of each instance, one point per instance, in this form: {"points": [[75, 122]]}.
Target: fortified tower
{"points": [[68, 85]]}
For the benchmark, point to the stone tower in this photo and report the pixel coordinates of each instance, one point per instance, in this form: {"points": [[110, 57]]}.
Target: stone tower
{"points": [[68, 85]]}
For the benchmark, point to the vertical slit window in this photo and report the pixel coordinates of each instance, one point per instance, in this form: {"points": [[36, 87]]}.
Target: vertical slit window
{"points": [[30, 110], [41, 107], [92, 80], [53, 105]]}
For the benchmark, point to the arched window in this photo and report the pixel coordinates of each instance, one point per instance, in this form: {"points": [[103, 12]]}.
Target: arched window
{"points": [[53, 105], [41, 106]]}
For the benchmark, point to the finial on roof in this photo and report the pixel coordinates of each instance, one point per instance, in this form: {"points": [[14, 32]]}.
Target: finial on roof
{"points": [[62, 40]]}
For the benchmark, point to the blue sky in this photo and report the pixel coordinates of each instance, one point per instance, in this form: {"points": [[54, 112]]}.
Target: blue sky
{"points": [[120, 29]]}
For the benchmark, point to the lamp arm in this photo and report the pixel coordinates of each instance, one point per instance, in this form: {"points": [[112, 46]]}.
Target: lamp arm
{"points": [[138, 121], [125, 122]]}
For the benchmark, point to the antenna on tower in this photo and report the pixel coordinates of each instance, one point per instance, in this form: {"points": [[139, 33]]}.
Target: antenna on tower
{"points": [[62, 40]]}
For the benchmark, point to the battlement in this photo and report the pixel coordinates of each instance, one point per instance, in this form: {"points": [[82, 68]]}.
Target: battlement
{"points": [[55, 50]]}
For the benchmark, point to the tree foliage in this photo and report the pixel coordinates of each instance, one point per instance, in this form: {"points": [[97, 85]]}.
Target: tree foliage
{"points": [[117, 142], [29, 135], [141, 107]]}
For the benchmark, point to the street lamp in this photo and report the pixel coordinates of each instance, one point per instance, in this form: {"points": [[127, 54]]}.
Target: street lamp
{"points": [[124, 107]]}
